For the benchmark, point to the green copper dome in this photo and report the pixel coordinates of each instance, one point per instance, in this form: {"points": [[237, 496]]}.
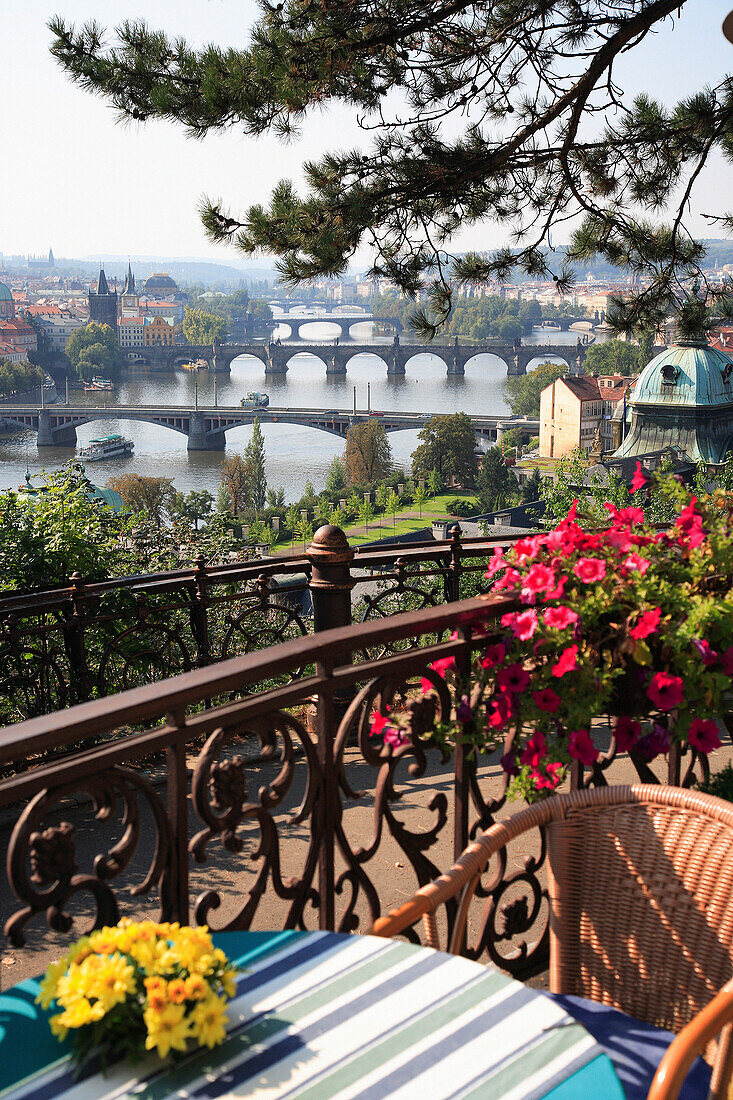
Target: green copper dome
{"points": [[683, 399], [5, 295], [686, 374]]}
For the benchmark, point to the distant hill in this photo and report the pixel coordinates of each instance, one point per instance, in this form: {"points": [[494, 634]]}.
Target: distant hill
{"points": [[182, 269]]}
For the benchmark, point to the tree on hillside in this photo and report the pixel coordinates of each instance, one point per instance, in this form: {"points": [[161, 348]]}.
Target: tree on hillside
{"points": [[448, 445], [510, 113], [254, 456], [18, 377], [368, 455], [532, 488], [618, 357], [202, 327], [155, 496], [523, 391], [194, 506], [496, 486], [335, 476], [94, 350], [236, 481]]}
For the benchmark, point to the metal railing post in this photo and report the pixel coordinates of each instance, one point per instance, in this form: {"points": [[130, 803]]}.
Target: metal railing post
{"points": [[198, 613], [330, 558], [452, 576], [75, 643]]}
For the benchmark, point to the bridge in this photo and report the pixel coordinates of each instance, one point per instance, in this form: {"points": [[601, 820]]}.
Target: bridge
{"points": [[344, 320], [396, 356], [206, 427]]}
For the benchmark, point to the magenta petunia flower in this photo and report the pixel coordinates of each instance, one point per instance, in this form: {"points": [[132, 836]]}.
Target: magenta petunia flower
{"points": [[546, 699], [379, 721], [509, 762], [513, 678], [654, 743], [393, 737], [636, 564], [567, 661], [582, 748], [627, 733], [666, 691], [522, 623], [534, 750], [590, 570], [501, 710], [559, 618], [463, 710], [549, 779], [638, 481], [646, 624], [496, 563], [539, 578], [493, 655], [706, 651], [440, 666], [703, 735]]}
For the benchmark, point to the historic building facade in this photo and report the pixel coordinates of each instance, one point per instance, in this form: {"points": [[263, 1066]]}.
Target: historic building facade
{"points": [[103, 303], [683, 400]]}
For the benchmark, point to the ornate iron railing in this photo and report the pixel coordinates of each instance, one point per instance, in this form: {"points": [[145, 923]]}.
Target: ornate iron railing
{"points": [[243, 805], [84, 641]]}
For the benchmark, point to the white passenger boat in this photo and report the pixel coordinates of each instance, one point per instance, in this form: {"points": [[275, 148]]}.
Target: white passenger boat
{"points": [[111, 446]]}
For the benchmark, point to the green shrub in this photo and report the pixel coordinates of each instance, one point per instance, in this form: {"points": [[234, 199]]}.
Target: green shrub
{"points": [[720, 783]]}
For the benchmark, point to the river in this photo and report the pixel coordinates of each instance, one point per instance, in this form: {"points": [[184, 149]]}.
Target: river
{"points": [[294, 454]]}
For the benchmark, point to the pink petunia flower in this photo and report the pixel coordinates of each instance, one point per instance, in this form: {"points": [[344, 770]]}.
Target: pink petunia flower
{"points": [[496, 563], [393, 737], [627, 733], [513, 678], [549, 779], [582, 748], [557, 592], [440, 666], [534, 750], [690, 524], [539, 578], [625, 517], [501, 710], [528, 549], [638, 481], [590, 570], [666, 691], [509, 762], [511, 579], [706, 651], [646, 624], [703, 735], [567, 661], [559, 618], [546, 699], [636, 564], [522, 623], [493, 655]]}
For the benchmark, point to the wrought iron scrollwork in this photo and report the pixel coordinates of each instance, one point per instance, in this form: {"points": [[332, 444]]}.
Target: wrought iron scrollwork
{"points": [[42, 862], [220, 798], [383, 695]]}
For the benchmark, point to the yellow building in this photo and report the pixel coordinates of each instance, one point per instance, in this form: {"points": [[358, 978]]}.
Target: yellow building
{"points": [[571, 413], [157, 333]]}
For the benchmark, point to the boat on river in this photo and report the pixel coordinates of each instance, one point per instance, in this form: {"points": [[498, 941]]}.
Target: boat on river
{"points": [[109, 446], [255, 400], [99, 384]]}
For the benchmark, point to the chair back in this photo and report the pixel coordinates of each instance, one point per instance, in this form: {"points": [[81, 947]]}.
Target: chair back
{"points": [[641, 899]]}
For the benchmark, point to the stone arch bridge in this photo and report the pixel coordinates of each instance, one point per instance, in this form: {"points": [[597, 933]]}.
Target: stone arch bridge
{"points": [[206, 427], [336, 357]]}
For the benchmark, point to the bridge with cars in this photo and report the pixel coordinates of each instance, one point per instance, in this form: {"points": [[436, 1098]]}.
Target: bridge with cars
{"points": [[206, 427], [278, 358]]}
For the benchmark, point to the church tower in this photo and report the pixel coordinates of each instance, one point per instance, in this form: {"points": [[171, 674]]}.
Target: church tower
{"points": [[103, 303], [130, 299]]}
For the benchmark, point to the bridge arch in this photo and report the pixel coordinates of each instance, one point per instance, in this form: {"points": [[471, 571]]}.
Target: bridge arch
{"points": [[310, 353], [543, 357], [363, 354], [423, 351], [477, 360]]}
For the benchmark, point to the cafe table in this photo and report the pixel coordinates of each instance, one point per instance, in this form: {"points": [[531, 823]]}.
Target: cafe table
{"points": [[323, 1016]]}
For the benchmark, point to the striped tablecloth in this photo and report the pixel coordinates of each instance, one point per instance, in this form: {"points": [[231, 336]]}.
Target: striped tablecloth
{"points": [[321, 1016]]}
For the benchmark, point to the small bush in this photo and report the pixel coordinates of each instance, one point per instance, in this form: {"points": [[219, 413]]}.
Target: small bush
{"points": [[720, 784], [461, 508]]}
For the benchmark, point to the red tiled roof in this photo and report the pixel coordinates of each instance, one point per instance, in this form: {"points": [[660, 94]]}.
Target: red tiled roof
{"points": [[585, 387]]}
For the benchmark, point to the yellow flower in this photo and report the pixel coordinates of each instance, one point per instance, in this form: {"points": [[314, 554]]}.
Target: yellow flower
{"points": [[47, 990], [78, 1014], [57, 1028], [196, 988], [167, 1030], [71, 986], [229, 982], [177, 991], [209, 1020], [110, 980]]}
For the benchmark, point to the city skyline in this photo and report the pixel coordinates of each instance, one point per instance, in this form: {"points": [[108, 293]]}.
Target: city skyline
{"points": [[134, 189]]}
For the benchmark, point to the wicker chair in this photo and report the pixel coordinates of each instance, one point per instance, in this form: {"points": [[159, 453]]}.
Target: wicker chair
{"points": [[640, 887]]}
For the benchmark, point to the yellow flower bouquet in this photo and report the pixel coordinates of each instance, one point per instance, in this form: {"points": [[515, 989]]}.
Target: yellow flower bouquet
{"points": [[138, 987]]}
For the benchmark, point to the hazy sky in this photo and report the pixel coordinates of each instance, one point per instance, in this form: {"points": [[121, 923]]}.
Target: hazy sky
{"points": [[76, 180]]}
